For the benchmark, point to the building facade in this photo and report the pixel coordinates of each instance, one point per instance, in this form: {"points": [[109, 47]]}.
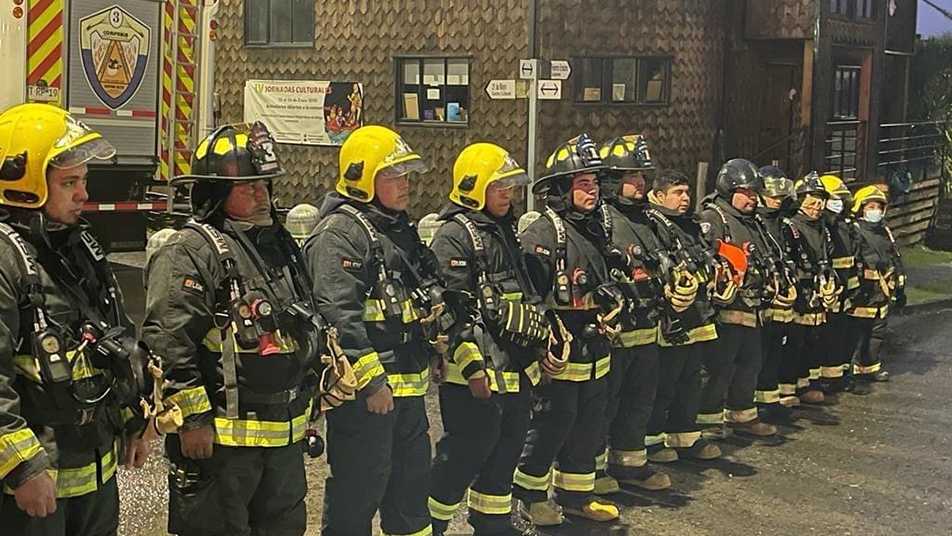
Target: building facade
{"points": [[806, 83]]}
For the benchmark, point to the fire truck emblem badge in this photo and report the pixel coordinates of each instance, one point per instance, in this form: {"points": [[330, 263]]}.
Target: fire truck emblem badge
{"points": [[114, 46]]}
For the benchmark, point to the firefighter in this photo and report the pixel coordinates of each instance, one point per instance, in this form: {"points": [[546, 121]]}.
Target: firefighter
{"points": [[811, 245], [229, 308], [882, 287], [835, 354], [685, 336], [728, 222], [70, 368], [632, 382], [486, 399], [566, 262], [371, 276], [778, 201]]}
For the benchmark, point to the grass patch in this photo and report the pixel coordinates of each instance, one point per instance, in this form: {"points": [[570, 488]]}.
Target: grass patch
{"points": [[915, 295], [915, 256]]}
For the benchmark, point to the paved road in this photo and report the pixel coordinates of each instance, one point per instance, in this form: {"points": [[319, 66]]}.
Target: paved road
{"points": [[876, 464]]}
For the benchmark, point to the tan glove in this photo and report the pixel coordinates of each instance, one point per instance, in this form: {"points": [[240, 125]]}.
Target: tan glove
{"points": [[554, 364], [338, 381], [829, 294], [682, 296], [725, 296], [785, 301]]}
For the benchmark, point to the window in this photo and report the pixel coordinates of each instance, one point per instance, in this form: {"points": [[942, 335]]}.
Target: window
{"points": [[640, 80], [279, 23], [432, 90], [840, 7], [846, 92], [861, 9]]}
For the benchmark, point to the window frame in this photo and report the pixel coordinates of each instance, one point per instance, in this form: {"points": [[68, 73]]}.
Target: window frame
{"points": [[246, 22], [852, 10], [399, 84], [838, 94], [607, 67]]}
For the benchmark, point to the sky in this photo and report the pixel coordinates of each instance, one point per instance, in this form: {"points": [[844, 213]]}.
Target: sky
{"points": [[931, 22]]}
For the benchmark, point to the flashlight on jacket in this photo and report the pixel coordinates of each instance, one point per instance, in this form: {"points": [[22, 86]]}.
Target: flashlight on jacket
{"points": [[264, 317]]}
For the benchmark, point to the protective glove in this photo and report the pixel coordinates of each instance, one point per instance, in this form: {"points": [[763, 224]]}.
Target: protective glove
{"points": [[556, 357], [684, 291], [726, 294], [523, 324], [338, 381], [829, 294], [785, 301]]}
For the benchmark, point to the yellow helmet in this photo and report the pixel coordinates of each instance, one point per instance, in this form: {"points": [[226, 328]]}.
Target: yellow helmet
{"points": [[371, 150], [868, 194], [479, 165], [835, 187], [34, 137]]}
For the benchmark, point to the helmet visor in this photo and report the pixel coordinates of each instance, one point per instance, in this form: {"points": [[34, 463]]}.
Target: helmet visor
{"points": [[510, 174], [79, 145], [778, 187], [412, 163]]}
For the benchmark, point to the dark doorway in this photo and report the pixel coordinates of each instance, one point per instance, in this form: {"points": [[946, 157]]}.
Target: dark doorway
{"points": [[780, 100]]}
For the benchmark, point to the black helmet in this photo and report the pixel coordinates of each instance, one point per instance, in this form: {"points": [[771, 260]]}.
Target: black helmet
{"points": [[776, 182], [738, 173], [578, 155], [811, 185], [627, 153], [231, 153]]}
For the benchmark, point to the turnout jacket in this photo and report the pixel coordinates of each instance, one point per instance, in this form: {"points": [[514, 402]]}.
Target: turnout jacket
{"points": [[504, 267], [42, 426], [882, 277], [346, 266], [585, 268], [680, 234], [187, 311], [782, 253], [721, 221], [630, 232], [812, 247], [843, 259]]}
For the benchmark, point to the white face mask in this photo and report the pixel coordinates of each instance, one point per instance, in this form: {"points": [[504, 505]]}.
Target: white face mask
{"points": [[835, 206], [873, 216]]}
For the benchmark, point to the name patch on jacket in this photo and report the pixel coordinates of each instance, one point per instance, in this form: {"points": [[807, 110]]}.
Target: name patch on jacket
{"points": [[458, 263], [190, 284], [540, 250], [352, 264]]}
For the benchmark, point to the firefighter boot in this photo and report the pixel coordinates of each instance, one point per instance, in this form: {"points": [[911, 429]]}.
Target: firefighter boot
{"points": [[661, 454], [542, 514], [754, 428], [812, 396], [700, 450], [606, 485], [648, 479], [595, 510]]}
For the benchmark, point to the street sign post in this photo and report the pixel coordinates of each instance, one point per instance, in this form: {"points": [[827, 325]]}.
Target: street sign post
{"points": [[560, 69], [501, 89], [550, 89]]}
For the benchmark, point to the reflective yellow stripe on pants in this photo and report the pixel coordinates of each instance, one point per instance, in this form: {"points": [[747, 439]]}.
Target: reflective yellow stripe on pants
{"points": [[494, 505], [637, 337], [440, 511], [410, 384], [580, 372], [573, 481], [534, 483]]}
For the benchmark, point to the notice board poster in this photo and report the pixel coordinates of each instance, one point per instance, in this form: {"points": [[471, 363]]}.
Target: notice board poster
{"points": [[306, 112]]}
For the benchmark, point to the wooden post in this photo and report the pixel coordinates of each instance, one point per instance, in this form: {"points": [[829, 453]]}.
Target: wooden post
{"points": [[701, 183], [806, 91]]}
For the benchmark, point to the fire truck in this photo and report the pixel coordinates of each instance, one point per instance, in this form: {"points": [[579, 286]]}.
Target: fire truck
{"points": [[141, 72]]}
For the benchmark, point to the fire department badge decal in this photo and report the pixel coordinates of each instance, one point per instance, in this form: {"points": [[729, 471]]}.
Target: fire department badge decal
{"points": [[115, 51]]}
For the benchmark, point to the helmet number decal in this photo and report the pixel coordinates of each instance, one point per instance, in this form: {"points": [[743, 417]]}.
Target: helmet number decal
{"points": [[261, 146]]}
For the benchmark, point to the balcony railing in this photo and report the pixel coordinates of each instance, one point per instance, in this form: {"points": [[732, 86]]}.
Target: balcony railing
{"points": [[845, 143]]}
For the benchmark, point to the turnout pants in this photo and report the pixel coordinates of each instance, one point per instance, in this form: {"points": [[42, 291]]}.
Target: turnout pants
{"points": [[377, 462], [834, 346], [241, 491], [480, 448], [775, 337], [92, 514], [678, 396], [566, 429], [632, 385], [866, 338], [732, 370]]}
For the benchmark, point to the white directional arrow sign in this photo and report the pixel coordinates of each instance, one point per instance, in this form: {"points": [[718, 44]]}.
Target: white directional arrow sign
{"points": [[549, 89], [560, 69], [529, 69], [501, 89]]}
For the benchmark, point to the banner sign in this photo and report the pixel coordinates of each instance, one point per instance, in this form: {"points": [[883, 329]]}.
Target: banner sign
{"points": [[305, 112]]}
